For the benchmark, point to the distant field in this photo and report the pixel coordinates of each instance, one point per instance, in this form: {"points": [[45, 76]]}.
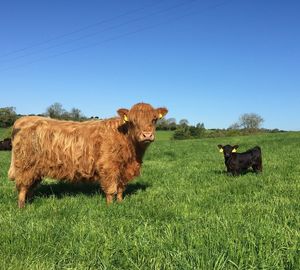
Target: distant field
{"points": [[183, 212], [162, 135]]}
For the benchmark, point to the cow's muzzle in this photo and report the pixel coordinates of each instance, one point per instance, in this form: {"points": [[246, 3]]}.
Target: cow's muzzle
{"points": [[146, 137]]}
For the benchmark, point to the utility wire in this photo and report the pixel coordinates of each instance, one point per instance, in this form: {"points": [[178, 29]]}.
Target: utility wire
{"points": [[82, 29], [122, 35], [101, 31]]}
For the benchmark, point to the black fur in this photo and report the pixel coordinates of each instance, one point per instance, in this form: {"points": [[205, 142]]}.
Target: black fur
{"points": [[238, 163], [5, 145]]}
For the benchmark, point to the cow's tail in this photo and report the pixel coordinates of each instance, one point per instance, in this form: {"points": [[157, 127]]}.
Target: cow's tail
{"points": [[11, 174], [11, 171]]}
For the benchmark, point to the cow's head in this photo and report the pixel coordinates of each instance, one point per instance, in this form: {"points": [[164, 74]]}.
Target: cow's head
{"points": [[227, 150], [140, 121]]}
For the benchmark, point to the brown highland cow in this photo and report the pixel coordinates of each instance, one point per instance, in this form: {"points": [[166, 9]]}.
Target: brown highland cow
{"points": [[109, 151]]}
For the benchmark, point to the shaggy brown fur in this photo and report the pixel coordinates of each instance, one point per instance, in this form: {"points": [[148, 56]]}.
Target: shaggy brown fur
{"points": [[108, 151]]}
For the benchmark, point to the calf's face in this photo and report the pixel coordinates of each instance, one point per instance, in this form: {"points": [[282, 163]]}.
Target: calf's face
{"points": [[227, 150], [141, 121]]}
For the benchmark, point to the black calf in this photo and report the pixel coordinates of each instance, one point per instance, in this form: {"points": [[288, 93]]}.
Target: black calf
{"points": [[238, 163], [5, 145]]}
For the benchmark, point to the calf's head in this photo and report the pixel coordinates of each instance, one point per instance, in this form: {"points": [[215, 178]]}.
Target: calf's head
{"points": [[227, 150], [141, 121]]}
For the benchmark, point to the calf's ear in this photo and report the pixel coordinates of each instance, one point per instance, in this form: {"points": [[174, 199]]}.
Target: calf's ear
{"points": [[161, 112], [234, 148], [123, 114], [220, 148]]}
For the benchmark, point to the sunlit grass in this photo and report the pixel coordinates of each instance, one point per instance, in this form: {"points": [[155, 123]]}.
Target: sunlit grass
{"points": [[183, 212]]}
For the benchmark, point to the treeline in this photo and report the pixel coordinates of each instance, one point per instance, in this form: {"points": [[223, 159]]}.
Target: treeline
{"points": [[182, 130], [8, 115], [215, 133], [246, 125], [57, 111]]}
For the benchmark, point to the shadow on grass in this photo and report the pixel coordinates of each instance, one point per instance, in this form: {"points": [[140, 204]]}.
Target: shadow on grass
{"points": [[63, 189], [242, 173]]}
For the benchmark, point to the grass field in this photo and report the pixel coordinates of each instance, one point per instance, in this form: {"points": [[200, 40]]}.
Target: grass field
{"points": [[183, 212], [164, 135]]}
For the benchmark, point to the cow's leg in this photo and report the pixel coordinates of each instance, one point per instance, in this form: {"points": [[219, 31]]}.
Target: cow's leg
{"points": [[109, 176], [22, 189], [108, 184], [109, 198], [110, 192], [120, 191], [25, 181]]}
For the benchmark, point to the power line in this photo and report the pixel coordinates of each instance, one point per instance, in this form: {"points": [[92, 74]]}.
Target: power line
{"points": [[121, 36], [103, 30], [81, 29]]}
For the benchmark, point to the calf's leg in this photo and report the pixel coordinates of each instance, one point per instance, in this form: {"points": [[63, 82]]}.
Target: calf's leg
{"points": [[257, 168], [236, 172]]}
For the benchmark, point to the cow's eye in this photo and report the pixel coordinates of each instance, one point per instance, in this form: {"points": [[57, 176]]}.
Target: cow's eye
{"points": [[154, 120]]}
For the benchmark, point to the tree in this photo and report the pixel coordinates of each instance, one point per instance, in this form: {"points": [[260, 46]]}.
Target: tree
{"points": [[75, 114], [7, 116], [182, 133], [189, 132], [235, 126], [171, 122], [162, 124], [251, 121], [56, 110], [183, 122]]}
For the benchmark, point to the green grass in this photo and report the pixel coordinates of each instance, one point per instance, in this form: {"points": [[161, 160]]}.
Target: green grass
{"points": [[183, 212], [162, 135]]}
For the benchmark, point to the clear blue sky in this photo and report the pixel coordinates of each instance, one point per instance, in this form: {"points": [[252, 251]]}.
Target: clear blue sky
{"points": [[207, 61]]}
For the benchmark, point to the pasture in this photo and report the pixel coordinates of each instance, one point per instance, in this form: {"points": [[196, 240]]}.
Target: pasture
{"points": [[183, 212]]}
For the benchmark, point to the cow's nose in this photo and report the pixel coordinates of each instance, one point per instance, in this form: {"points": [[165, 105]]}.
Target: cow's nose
{"points": [[147, 136]]}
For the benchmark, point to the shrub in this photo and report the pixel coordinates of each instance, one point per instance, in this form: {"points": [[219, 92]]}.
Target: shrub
{"points": [[181, 134]]}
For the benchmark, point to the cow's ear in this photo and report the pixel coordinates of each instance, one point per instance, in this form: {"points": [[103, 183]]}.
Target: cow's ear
{"points": [[220, 148], [161, 112], [123, 114]]}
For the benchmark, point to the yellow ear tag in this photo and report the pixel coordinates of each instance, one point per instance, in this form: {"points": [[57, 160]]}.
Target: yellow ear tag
{"points": [[125, 118], [221, 150], [160, 116], [234, 150]]}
